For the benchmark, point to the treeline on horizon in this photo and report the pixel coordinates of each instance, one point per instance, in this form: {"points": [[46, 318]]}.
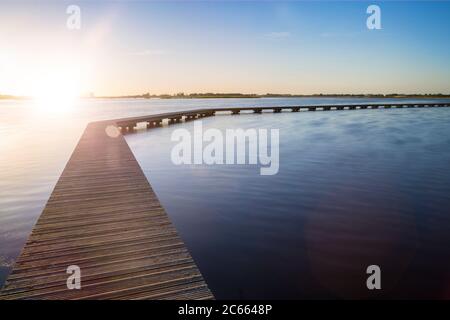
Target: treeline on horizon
{"points": [[253, 95], [277, 95]]}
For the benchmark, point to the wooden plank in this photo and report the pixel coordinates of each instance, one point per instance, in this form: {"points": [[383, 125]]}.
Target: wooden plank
{"points": [[104, 217]]}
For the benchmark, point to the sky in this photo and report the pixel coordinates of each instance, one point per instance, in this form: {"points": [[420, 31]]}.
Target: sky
{"points": [[297, 47]]}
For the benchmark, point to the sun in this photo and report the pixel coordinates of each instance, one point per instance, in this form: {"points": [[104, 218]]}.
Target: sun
{"points": [[56, 90]]}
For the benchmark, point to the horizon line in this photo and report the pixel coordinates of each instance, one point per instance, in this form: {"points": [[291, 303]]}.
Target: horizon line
{"points": [[182, 95]]}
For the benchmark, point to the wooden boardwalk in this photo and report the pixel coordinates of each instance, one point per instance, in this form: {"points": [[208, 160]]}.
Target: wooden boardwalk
{"points": [[155, 120], [104, 217]]}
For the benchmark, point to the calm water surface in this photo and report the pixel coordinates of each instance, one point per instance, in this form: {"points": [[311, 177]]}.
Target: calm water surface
{"points": [[354, 188]]}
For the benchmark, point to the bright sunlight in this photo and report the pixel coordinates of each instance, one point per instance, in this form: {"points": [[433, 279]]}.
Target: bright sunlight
{"points": [[57, 90]]}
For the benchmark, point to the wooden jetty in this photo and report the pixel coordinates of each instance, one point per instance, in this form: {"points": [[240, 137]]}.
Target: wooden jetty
{"points": [[104, 217], [129, 124]]}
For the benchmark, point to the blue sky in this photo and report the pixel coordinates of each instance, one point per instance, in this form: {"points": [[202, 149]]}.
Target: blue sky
{"points": [[305, 47]]}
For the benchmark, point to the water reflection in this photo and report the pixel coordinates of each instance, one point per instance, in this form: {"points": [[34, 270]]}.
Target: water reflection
{"points": [[350, 193]]}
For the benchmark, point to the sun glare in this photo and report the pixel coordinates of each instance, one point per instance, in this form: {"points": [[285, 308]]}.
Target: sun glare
{"points": [[57, 91]]}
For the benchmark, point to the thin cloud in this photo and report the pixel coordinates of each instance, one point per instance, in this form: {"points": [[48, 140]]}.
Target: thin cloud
{"points": [[339, 34], [278, 35], [147, 52]]}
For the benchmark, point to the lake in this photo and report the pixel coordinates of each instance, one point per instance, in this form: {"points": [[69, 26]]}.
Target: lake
{"points": [[354, 188]]}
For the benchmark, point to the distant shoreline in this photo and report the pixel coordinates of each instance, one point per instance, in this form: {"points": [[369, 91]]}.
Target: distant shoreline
{"points": [[274, 95], [252, 96]]}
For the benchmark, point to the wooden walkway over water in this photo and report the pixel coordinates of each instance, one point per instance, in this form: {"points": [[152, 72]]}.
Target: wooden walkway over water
{"points": [[104, 217], [129, 124]]}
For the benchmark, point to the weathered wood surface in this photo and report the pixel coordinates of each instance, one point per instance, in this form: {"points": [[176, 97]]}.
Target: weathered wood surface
{"points": [[104, 217]]}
